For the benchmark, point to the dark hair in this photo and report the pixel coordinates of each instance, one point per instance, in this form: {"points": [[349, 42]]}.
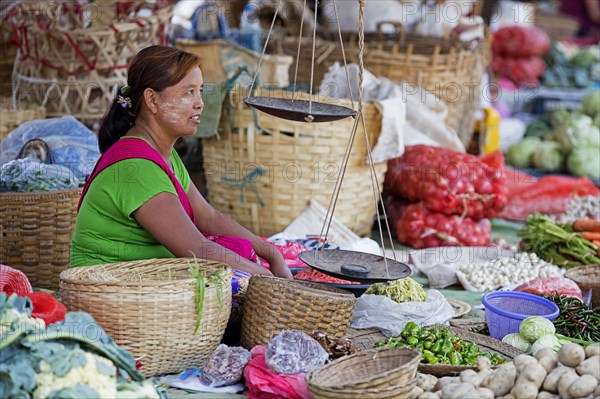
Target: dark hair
{"points": [[155, 67]]}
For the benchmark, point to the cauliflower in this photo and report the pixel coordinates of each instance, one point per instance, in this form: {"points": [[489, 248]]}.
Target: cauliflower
{"points": [[137, 390], [97, 376]]}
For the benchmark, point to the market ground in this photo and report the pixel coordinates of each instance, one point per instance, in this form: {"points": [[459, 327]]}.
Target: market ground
{"points": [[500, 229]]}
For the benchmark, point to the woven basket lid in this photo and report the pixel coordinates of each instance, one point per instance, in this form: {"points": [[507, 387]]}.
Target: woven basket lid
{"points": [[349, 265]]}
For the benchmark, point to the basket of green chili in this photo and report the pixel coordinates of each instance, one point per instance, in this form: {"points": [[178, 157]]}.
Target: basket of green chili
{"points": [[447, 350], [169, 313]]}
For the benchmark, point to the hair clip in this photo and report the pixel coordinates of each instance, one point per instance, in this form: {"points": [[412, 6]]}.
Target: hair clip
{"points": [[124, 101]]}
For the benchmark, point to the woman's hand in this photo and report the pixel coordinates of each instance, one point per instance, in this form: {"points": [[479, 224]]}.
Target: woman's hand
{"points": [[280, 269]]}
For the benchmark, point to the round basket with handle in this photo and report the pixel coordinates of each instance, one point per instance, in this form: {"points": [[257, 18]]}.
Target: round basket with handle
{"points": [[35, 233], [274, 304], [170, 313]]}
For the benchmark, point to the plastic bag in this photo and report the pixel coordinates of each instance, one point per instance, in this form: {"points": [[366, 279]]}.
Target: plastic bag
{"points": [[550, 285], [225, 366], [293, 352], [262, 383], [73, 144], [391, 317], [25, 175]]}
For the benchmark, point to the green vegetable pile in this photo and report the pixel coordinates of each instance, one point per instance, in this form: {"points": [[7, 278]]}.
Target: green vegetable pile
{"points": [[401, 290], [576, 319], [556, 243], [71, 359], [440, 346], [563, 141]]}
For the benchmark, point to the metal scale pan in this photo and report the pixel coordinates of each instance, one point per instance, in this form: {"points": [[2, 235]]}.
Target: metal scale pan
{"points": [[298, 110], [355, 266]]}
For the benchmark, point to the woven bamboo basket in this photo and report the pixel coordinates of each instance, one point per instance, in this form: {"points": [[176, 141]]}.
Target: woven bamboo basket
{"points": [[450, 70], [262, 171], [274, 304], [149, 308], [35, 233], [587, 278], [8, 51], [72, 62], [365, 339], [378, 373], [11, 118]]}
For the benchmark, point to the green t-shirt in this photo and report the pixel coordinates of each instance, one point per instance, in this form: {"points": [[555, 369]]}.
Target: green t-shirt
{"points": [[105, 231]]}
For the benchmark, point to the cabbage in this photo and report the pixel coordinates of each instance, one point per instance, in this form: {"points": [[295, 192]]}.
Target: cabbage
{"points": [[597, 120], [520, 154], [516, 340], [558, 117], [549, 156], [590, 105], [546, 341], [579, 130], [534, 327], [585, 161]]}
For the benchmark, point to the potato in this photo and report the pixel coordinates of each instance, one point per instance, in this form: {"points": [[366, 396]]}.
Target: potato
{"points": [[426, 381], [429, 395], [483, 363], [416, 391], [485, 393], [529, 381], [590, 366], [471, 377], [571, 354], [503, 380], [583, 386], [564, 383], [544, 352], [547, 395], [458, 391], [548, 362], [444, 381], [522, 360], [551, 382], [592, 350], [524, 390]]}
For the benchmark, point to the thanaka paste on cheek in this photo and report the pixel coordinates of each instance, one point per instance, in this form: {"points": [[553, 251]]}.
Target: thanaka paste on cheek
{"points": [[176, 111]]}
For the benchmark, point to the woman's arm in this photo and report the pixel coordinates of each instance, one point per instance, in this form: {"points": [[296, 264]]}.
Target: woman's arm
{"points": [[164, 218], [211, 221]]}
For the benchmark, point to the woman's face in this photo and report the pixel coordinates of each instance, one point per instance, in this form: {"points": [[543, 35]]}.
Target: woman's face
{"points": [[180, 106]]}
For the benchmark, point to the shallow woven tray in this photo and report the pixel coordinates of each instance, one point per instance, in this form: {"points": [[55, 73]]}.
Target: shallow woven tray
{"points": [[471, 324], [374, 373], [366, 338], [460, 308], [275, 304]]}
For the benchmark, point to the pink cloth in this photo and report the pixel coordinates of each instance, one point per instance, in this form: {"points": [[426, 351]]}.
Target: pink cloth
{"points": [[134, 148], [262, 383]]}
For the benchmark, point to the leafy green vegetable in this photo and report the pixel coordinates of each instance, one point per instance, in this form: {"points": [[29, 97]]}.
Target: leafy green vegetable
{"points": [[539, 129], [585, 161], [521, 153], [549, 156], [534, 327], [516, 340], [590, 105], [584, 59], [546, 341]]}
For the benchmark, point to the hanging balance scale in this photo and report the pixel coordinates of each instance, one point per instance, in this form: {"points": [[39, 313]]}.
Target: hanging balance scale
{"points": [[362, 267]]}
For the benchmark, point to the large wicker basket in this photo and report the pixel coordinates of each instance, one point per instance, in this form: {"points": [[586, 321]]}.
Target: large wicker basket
{"points": [[35, 233], [449, 69], [376, 373], [149, 308], [274, 304], [71, 58], [263, 171]]}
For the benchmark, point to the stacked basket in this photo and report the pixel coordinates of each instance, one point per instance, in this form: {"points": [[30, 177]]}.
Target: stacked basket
{"points": [[385, 373], [12, 117], [262, 171], [71, 57], [451, 70], [35, 233], [274, 304], [158, 303]]}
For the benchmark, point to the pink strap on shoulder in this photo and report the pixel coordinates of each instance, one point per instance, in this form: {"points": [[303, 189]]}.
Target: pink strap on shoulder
{"points": [[134, 148]]}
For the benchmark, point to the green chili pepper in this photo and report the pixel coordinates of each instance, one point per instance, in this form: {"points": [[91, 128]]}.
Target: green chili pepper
{"points": [[431, 359], [412, 341], [427, 344], [455, 358], [437, 346]]}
